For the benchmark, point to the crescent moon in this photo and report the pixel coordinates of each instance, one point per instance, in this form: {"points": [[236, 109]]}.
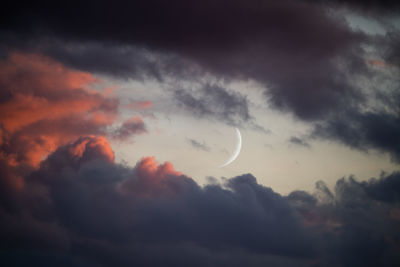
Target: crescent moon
{"points": [[237, 151]]}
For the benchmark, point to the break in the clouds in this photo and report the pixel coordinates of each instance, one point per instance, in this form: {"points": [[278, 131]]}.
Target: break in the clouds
{"points": [[82, 209]]}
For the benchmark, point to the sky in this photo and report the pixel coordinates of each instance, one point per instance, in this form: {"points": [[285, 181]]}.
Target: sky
{"points": [[116, 116]]}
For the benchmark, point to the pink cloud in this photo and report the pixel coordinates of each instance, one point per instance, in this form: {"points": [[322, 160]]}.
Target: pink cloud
{"points": [[44, 105]]}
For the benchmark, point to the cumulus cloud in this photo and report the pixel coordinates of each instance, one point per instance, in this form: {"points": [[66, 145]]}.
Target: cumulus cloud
{"points": [[353, 219], [82, 208], [97, 206]]}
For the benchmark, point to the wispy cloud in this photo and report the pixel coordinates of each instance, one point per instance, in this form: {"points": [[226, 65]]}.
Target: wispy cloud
{"points": [[198, 145]]}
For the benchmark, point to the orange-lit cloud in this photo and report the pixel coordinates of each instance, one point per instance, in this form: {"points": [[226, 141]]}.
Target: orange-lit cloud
{"points": [[44, 104], [148, 167], [92, 147], [139, 104], [151, 179]]}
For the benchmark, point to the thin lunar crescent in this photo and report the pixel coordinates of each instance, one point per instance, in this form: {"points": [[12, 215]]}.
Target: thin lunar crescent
{"points": [[237, 151]]}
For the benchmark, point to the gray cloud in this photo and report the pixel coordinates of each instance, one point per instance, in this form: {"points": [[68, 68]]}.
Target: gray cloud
{"points": [[198, 145], [299, 141], [364, 130], [130, 127], [215, 102]]}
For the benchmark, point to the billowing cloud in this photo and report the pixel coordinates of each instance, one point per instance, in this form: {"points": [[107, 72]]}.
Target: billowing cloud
{"points": [[355, 218], [44, 104], [82, 208], [97, 206]]}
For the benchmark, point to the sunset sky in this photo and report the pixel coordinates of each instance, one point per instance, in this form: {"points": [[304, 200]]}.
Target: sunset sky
{"points": [[115, 117]]}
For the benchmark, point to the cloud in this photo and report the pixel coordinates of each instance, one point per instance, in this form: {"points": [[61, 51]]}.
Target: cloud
{"points": [[305, 56], [97, 207], [198, 145], [44, 104], [392, 42], [132, 126], [215, 102], [63, 199], [299, 141], [82, 208], [139, 105], [364, 130], [374, 6], [352, 220], [299, 63]]}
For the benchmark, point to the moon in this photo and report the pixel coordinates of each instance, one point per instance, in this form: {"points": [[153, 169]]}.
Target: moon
{"points": [[237, 150]]}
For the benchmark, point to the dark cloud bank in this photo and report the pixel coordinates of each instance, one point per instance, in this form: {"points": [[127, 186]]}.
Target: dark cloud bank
{"points": [[81, 209], [303, 53]]}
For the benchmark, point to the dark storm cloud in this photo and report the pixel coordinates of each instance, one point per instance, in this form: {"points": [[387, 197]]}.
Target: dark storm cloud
{"points": [[198, 145], [389, 6], [299, 141], [82, 209], [386, 188], [354, 219], [392, 55], [301, 62], [377, 130], [306, 57]]}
